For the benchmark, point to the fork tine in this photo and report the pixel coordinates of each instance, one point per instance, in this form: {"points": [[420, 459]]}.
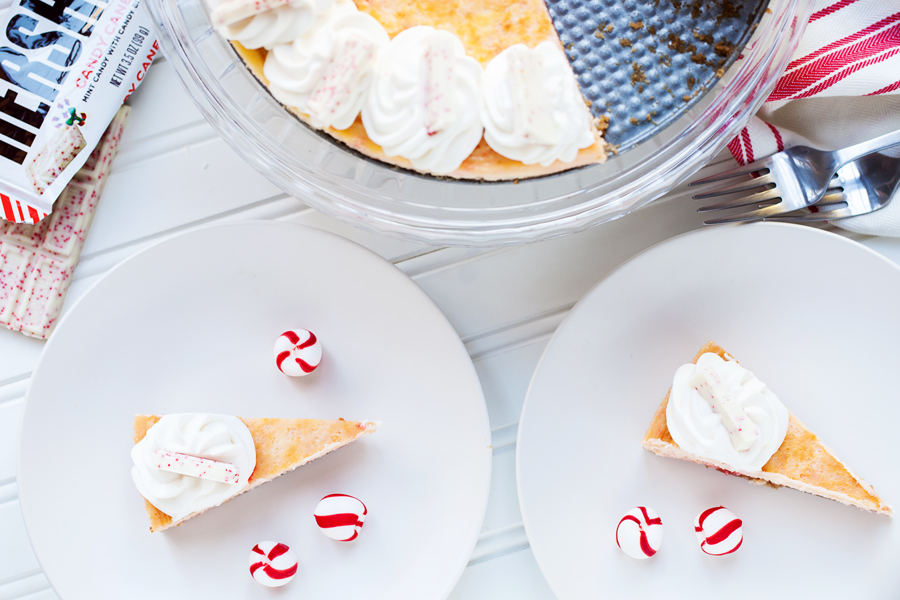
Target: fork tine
{"points": [[753, 215], [757, 198], [740, 186], [808, 217], [758, 165], [833, 205], [779, 212], [832, 195]]}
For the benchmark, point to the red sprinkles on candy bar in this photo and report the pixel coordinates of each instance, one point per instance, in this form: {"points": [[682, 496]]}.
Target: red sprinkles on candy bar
{"points": [[194, 466], [340, 517], [334, 88], [719, 531], [273, 564]]}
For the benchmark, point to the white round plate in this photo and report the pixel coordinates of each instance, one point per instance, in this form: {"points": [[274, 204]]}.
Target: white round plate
{"points": [[814, 316], [189, 326]]}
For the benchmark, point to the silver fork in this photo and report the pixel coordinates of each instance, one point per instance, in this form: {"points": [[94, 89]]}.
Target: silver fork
{"points": [[861, 187], [789, 180]]}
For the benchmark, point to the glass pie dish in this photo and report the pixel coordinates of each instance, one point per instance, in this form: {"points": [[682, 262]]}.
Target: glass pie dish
{"points": [[339, 182]]}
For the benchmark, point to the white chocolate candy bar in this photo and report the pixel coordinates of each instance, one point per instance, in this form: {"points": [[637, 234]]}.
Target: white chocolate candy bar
{"points": [[333, 90], [233, 11], [194, 466], [37, 261], [52, 160], [742, 430], [440, 82], [531, 108]]}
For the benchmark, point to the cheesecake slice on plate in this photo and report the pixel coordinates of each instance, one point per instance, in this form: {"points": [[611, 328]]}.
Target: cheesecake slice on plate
{"points": [[801, 461], [256, 450]]}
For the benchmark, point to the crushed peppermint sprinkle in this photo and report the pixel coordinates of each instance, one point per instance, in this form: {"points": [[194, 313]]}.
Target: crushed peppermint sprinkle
{"points": [[195, 466]]}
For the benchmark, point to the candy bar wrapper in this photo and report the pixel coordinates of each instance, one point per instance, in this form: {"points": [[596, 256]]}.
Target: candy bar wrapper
{"points": [[66, 66]]}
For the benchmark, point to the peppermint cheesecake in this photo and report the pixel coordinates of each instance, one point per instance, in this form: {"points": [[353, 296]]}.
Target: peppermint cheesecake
{"points": [[720, 415], [185, 464], [470, 90]]}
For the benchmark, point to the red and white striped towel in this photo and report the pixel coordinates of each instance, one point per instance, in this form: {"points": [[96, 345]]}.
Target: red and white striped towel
{"points": [[841, 87]]}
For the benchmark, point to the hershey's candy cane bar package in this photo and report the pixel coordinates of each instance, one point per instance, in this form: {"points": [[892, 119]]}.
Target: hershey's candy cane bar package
{"points": [[66, 66]]}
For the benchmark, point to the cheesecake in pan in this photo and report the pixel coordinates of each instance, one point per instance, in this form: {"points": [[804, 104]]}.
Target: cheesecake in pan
{"points": [[476, 90]]}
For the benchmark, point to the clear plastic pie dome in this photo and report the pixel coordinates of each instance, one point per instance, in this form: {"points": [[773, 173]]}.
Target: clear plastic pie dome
{"points": [[341, 183]]}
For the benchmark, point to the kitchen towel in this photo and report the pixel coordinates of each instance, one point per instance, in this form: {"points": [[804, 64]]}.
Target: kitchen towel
{"points": [[841, 87]]}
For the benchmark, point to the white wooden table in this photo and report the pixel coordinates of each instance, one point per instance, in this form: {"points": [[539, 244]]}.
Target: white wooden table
{"points": [[174, 173]]}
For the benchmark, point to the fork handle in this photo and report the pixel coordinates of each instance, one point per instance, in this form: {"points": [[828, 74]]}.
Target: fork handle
{"points": [[851, 153]]}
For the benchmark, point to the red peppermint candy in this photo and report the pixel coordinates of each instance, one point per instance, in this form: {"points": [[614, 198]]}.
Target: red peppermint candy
{"points": [[297, 352], [273, 564], [719, 531], [639, 533], [340, 517]]}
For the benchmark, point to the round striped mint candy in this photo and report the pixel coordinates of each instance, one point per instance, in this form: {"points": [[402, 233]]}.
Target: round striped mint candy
{"points": [[640, 532], [273, 564], [719, 531], [297, 352], [340, 517]]}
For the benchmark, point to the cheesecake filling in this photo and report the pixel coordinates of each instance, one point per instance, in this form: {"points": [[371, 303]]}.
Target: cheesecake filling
{"points": [[531, 106], [220, 438], [423, 102], [698, 427], [327, 72]]}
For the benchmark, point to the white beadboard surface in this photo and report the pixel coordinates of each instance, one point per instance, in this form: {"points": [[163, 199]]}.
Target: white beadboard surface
{"points": [[174, 173]]}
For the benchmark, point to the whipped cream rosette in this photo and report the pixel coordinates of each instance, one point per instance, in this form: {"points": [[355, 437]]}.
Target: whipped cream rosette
{"points": [[220, 438], [327, 72], [702, 427], [263, 24], [423, 103], [531, 106]]}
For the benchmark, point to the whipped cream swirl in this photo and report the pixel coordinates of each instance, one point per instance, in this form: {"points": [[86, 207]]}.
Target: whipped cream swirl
{"points": [[223, 438], [531, 106], [696, 428], [423, 104], [272, 22], [326, 73]]}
